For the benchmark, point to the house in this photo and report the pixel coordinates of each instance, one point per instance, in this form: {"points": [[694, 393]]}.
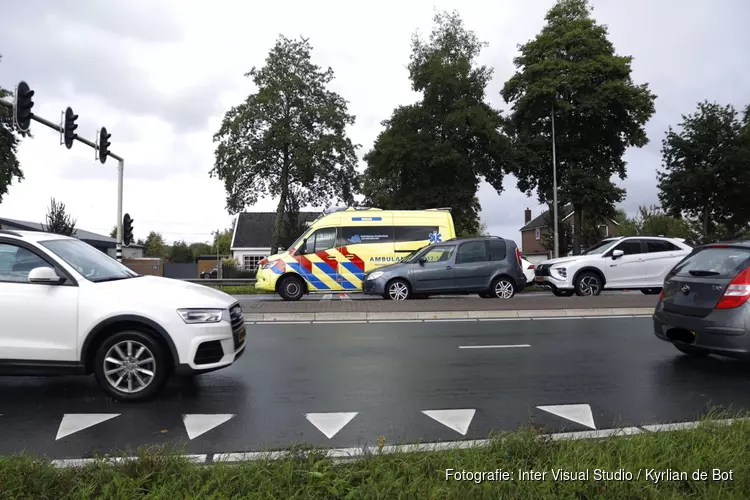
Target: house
{"points": [[536, 232], [104, 243], [253, 231]]}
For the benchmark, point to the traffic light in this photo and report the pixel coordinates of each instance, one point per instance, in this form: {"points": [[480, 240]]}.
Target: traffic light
{"points": [[22, 106], [127, 230], [69, 128], [104, 144]]}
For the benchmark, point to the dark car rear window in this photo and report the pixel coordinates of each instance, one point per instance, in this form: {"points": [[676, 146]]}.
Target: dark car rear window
{"points": [[725, 261]]}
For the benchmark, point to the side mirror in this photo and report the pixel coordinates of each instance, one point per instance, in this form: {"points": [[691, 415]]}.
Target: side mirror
{"points": [[303, 247], [422, 261], [617, 254], [45, 275]]}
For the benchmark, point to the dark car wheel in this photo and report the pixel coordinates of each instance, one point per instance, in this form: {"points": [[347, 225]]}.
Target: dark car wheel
{"points": [[502, 288], [131, 366], [696, 352], [563, 293], [291, 288], [398, 289], [588, 284], [650, 291]]}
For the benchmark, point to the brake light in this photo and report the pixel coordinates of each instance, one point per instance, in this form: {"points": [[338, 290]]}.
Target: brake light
{"points": [[532, 266], [737, 292], [518, 258], [661, 295]]}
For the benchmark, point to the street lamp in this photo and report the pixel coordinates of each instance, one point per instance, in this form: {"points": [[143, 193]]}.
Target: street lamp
{"points": [[554, 185]]}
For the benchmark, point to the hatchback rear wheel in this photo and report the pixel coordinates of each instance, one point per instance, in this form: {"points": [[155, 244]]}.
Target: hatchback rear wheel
{"points": [[502, 288]]}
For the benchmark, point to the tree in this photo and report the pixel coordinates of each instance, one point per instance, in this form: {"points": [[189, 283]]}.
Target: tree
{"points": [[565, 233], [113, 233], [58, 221], [293, 227], [10, 168], [198, 249], [154, 245], [706, 168], [291, 133], [180, 253], [572, 67], [653, 221], [435, 152], [224, 240]]}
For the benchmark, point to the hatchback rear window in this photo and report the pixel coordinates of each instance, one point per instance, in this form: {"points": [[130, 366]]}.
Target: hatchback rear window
{"points": [[723, 261]]}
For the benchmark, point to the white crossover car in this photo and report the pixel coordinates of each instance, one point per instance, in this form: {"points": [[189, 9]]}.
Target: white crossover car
{"points": [[528, 271], [67, 308], [624, 263]]}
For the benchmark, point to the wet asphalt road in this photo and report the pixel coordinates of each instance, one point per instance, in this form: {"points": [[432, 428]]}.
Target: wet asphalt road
{"points": [[388, 374]]}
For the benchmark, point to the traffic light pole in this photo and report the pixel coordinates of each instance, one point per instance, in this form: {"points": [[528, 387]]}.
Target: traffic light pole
{"points": [[120, 169]]}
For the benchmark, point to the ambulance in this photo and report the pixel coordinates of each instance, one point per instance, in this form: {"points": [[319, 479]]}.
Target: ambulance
{"points": [[343, 244]]}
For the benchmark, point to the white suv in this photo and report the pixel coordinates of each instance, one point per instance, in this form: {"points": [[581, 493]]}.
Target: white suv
{"points": [[629, 263], [68, 308]]}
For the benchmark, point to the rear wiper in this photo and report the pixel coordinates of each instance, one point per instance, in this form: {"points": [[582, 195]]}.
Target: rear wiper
{"points": [[696, 272]]}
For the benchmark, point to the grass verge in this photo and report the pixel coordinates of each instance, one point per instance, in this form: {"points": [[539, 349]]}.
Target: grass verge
{"points": [[628, 468]]}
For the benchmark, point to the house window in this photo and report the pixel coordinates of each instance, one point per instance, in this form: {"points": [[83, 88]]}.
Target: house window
{"points": [[537, 233], [604, 229], [250, 262]]}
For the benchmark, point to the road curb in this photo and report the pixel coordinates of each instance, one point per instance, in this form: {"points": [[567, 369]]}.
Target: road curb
{"points": [[366, 317]]}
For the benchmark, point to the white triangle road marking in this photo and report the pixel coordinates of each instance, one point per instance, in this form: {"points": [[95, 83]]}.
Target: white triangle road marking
{"points": [[197, 424], [458, 420], [580, 414], [330, 423], [327, 296], [74, 422], [344, 296]]}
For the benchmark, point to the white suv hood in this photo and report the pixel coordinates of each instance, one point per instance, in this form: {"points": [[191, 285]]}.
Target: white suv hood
{"points": [[571, 259], [165, 291]]}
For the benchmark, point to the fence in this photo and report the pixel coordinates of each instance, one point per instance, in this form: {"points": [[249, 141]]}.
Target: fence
{"points": [[146, 266]]}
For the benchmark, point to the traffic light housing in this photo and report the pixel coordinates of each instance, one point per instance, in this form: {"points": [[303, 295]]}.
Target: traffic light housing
{"points": [[127, 230], [22, 106], [104, 144], [69, 128]]}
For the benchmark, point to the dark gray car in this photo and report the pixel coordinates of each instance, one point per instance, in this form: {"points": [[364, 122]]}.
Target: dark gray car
{"points": [[489, 266], [704, 308]]}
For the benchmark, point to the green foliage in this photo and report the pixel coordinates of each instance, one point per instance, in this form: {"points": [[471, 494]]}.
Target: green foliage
{"points": [[434, 152], [58, 221], [113, 232], [653, 221], [9, 167], [180, 253], [224, 241], [480, 231], [155, 246], [599, 112], [565, 237], [290, 133], [198, 249], [293, 226], [706, 173]]}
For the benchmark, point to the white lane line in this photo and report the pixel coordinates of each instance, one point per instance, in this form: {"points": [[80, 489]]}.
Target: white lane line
{"points": [[283, 322], [449, 320], [342, 322], [82, 462], [394, 321], [492, 346]]}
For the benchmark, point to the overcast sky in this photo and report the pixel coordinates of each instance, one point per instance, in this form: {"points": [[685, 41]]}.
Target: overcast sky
{"points": [[161, 74]]}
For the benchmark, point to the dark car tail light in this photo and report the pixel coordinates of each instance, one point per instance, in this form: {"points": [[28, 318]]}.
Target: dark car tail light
{"points": [[661, 295], [737, 292], [518, 258]]}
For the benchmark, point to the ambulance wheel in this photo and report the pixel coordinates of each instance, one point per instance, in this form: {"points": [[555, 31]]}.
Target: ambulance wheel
{"points": [[291, 288]]}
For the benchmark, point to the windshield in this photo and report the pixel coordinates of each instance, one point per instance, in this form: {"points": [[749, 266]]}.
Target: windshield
{"points": [[600, 247], [411, 256], [91, 263], [296, 244]]}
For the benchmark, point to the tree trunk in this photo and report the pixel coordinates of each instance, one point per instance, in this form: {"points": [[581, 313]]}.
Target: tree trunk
{"points": [[705, 224], [577, 222], [278, 223]]}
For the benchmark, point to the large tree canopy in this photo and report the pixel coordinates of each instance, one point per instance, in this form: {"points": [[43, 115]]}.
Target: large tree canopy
{"points": [[290, 133], [572, 67], [707, 170], [433, 153], [9, 167]]}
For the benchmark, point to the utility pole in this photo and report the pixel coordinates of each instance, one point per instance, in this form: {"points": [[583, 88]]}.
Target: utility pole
{"points": [[554, 185], [23, 106]]}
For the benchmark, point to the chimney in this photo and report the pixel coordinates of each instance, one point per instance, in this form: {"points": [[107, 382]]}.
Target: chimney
{"points": [[527, 215]]}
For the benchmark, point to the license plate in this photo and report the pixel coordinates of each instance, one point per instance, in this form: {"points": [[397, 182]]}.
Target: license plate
{"points": [[241, 335]]}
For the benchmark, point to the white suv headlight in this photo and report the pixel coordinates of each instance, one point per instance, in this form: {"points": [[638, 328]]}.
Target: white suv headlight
{"points": [[375, 275], [192, 316], [561, 271]]}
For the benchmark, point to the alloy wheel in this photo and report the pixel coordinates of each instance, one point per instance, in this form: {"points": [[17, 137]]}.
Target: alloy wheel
{"points": [[589, 285], [129, 366], [504, 289], [398, 291]]}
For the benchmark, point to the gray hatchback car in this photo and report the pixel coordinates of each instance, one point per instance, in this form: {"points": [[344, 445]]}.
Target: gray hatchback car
{"points": [[489, 266], [704, 307]]}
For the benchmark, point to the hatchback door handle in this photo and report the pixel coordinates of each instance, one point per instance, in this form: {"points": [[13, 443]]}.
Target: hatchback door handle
{"points": [[448, 268]]}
